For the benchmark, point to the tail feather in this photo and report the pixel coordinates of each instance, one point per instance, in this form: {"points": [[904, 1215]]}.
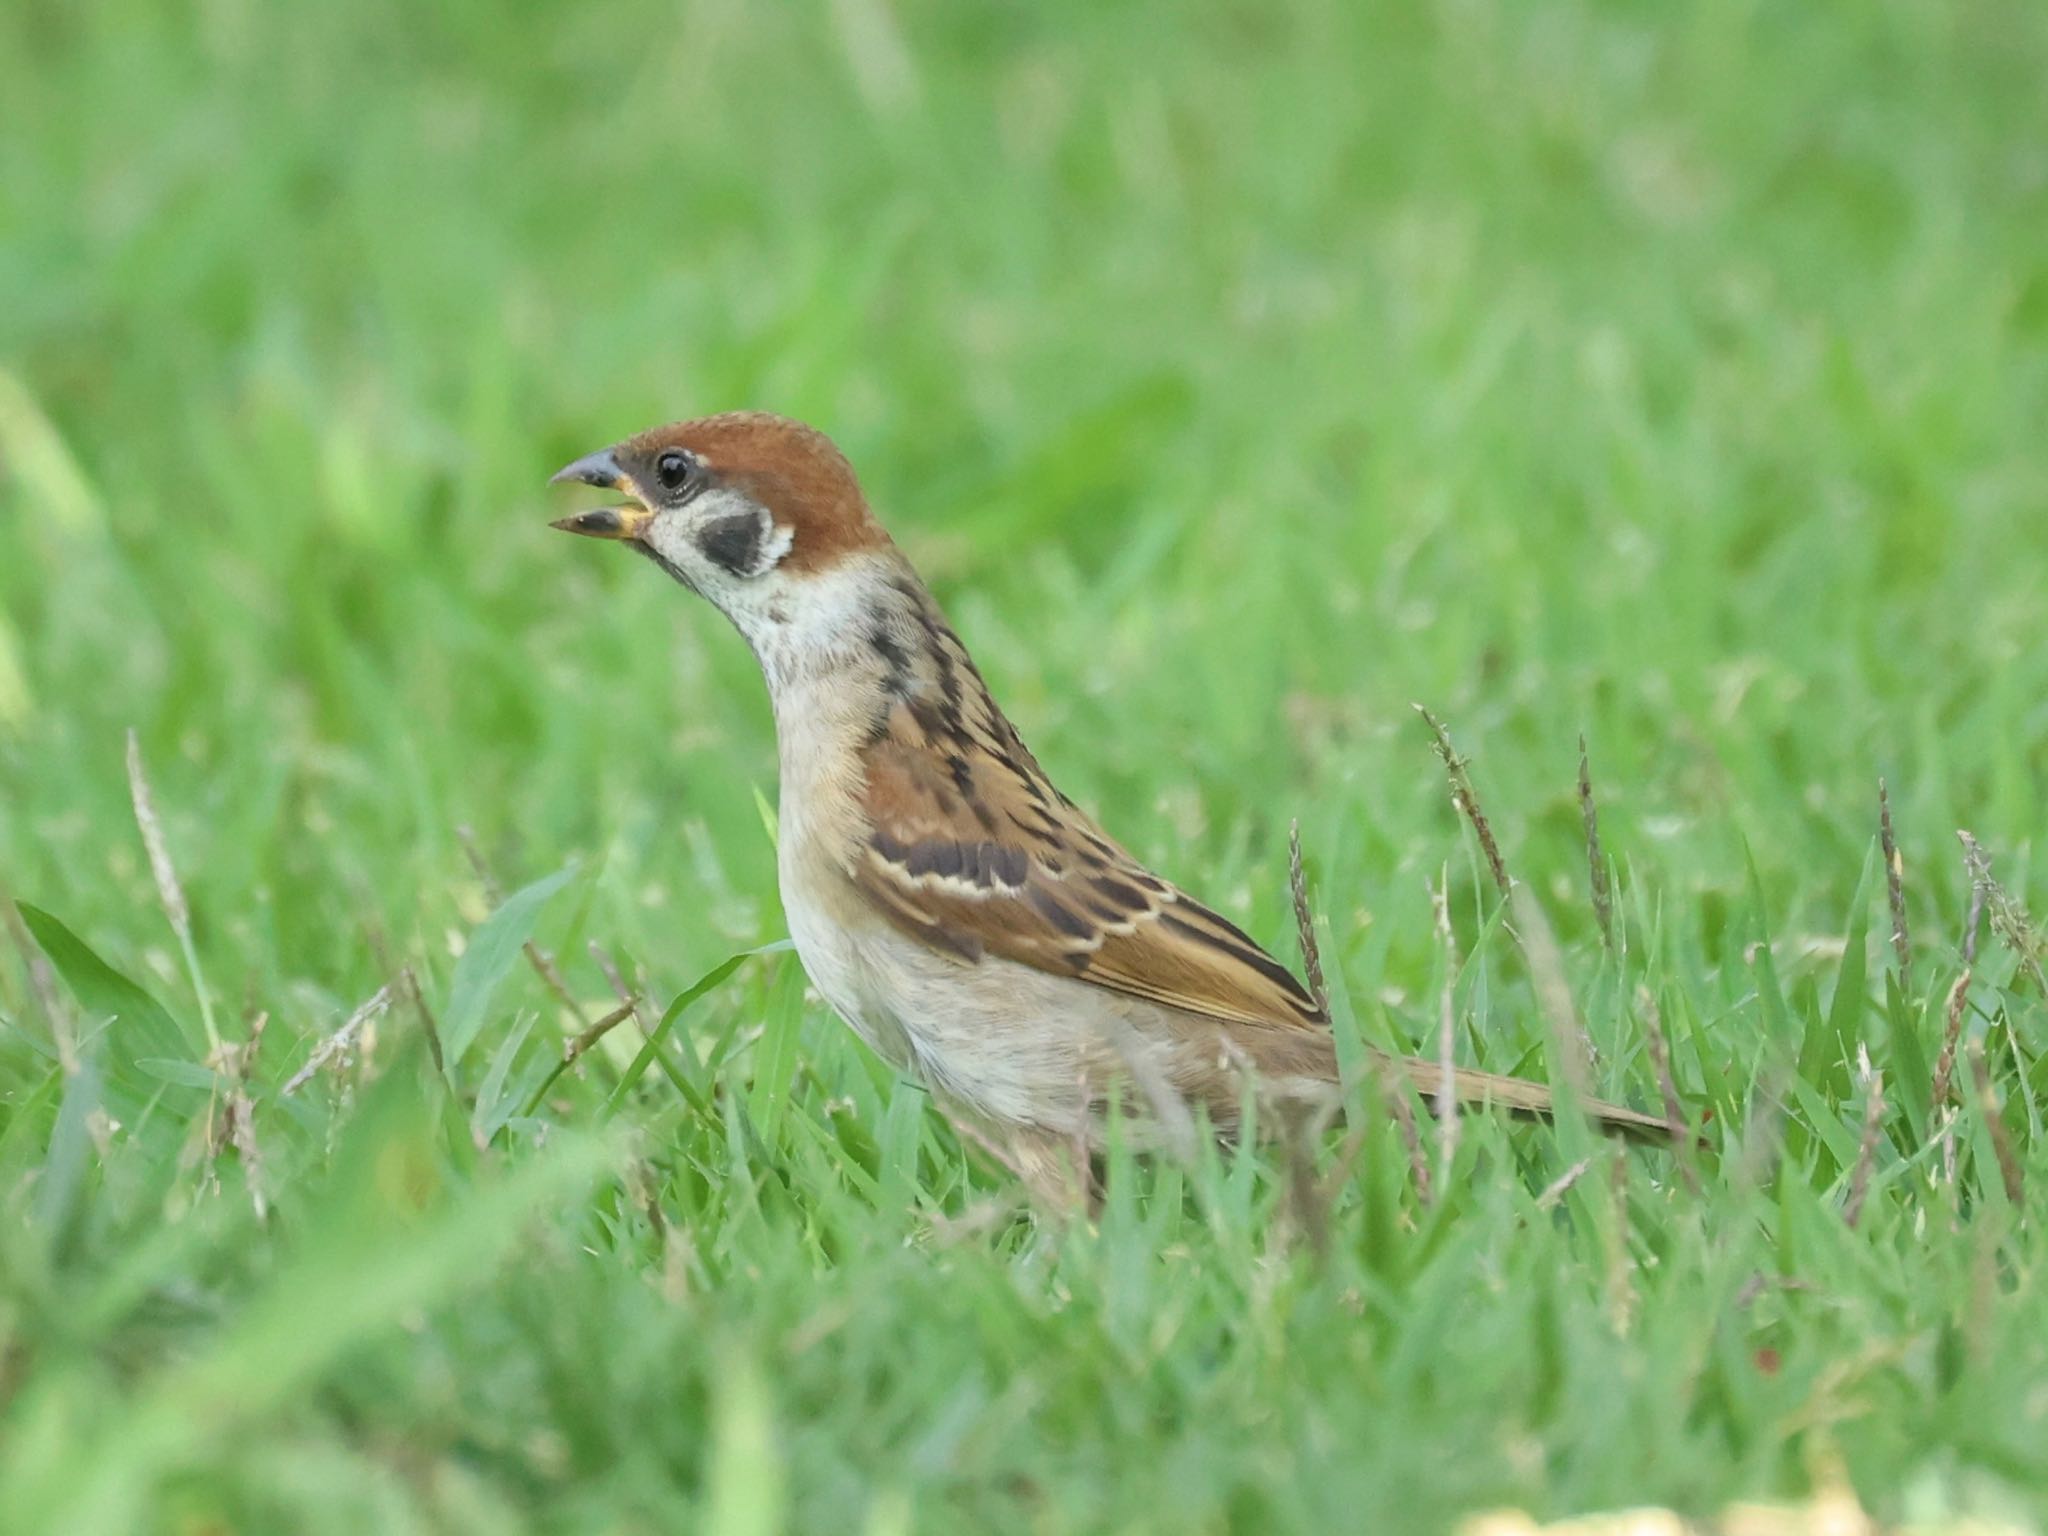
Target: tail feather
{"points": [[1521, 1097], [1307, 1059]]}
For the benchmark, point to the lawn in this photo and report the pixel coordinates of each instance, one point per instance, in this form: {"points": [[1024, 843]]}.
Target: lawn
{"points": [[1240, 374]]}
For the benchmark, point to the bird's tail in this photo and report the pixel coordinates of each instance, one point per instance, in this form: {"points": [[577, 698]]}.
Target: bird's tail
{"points": [[1521, 1097]]}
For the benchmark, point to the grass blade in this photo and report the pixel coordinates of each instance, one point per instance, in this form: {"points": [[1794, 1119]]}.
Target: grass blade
{"points": [[775, 1059], [494, 1104], [64, 1163], [493, 949], [1828, 1053], [141, 1027], [652, 1049]]}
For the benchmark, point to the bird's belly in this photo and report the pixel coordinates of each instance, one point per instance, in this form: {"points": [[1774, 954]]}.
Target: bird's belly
{"points": [[1009, 1044], [834, 958]]}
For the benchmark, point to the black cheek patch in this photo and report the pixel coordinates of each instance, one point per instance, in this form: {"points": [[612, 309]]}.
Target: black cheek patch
{"points": [[733, 544]]}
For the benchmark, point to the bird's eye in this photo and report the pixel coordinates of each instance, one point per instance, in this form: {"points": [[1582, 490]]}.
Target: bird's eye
{"points": [[672, 469]]}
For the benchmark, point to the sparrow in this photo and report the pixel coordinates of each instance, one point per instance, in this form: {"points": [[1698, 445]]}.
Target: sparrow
{"points": [[968, 920]]}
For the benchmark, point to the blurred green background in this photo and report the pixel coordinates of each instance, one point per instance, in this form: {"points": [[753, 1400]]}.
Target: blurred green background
{"points": [[1238, 373]]}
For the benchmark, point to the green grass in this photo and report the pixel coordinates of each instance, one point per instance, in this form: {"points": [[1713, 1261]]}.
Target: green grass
{"points": [[1239, 373]]}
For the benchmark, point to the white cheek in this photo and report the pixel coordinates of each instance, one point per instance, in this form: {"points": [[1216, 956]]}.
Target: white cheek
{"points": [[775, 546], [667, 538], [673, 535], [759, 605]]}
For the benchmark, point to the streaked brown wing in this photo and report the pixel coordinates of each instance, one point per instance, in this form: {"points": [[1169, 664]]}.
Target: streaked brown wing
{"points": [[971, 848]]}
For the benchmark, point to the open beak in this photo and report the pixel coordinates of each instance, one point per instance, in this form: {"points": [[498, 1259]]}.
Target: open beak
{"points": [[602, 470]]}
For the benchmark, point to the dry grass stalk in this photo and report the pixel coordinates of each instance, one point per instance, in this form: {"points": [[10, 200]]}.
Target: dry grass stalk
{"points": [[1596, 860], [1958, 999], [42, 982], [1396, 1095], [338, 1049], [1304, 924], [1866, 1148], [409, 984], [1682, 1139], [1558, 1187], [404, 983], [576, 1045], [2009, 920], [169, 892], [237, 1123], [1466, 799], [1952, 1034], [1895, 888], [542, 962], [1447, 1121], [1994, 1120], [617, 982], [1621, 1291], [230, 1121], [1554, 994]]}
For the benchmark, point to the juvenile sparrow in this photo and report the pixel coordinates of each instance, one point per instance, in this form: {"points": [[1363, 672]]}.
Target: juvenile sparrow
{"points": [[970, 922]]}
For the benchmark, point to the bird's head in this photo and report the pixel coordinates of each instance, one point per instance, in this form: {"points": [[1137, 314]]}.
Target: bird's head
{"points": [[747, 509]]}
